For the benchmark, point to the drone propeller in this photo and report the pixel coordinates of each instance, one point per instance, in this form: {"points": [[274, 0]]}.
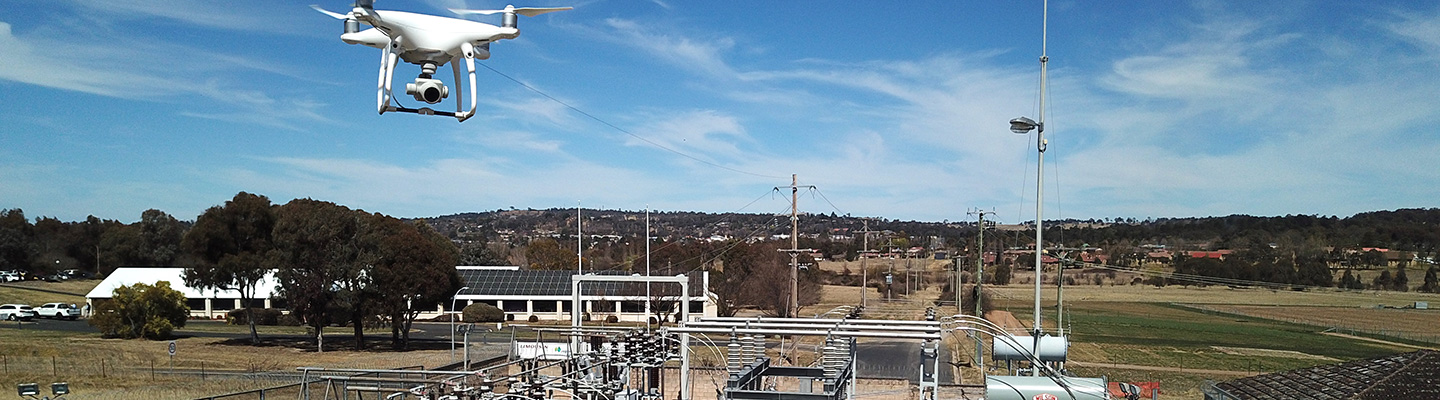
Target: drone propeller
{"points": [[510, 9], [330, 13]]}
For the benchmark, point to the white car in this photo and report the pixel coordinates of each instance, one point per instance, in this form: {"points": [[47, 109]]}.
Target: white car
{"points": [[58, 310], [11, 312], [9, 276]]}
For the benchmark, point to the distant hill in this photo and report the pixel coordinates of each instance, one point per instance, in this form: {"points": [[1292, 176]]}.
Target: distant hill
{"points": [[1404, 229]]}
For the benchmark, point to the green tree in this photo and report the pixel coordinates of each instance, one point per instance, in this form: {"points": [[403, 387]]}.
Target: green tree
{"points": [[1312, 271], [153, 241], [317, 249], [1431, 285], [1349, 281], [140, 310], [15, 236], [161, 235], [412, 266], [230, 244], [1002, 274], [1401, 283], [1383, 281]]}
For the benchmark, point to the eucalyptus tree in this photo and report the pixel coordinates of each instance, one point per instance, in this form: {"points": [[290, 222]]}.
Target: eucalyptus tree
{"points": [[231, 244]]}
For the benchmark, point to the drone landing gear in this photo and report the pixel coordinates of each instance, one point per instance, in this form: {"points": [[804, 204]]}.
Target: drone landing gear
{"points": [[425, 88]]}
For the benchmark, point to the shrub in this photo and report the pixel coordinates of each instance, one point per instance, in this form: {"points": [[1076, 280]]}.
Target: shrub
{"points": [[534, 318], [481, 312], [612, 319], [141, 310]]}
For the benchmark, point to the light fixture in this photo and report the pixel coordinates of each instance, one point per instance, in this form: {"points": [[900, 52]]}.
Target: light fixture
{"points": [[1023, 125]]}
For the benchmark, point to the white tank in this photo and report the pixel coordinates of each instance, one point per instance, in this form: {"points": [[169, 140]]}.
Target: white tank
{"points": [[1001, 387], [1052, 348]]}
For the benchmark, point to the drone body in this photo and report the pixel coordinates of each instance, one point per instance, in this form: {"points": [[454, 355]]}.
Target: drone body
{"points": [[428, 41]]}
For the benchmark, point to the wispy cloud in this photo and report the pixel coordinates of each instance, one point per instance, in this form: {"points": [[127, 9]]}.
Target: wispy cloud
{"points": [[92, 68], [702, 56]]}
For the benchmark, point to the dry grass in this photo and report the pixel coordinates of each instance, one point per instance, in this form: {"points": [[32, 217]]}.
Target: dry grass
{"points": [[1213, 295], [122, 369], [24, 292]]}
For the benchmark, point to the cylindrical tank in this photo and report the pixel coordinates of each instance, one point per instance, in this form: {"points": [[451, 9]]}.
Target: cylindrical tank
{"points": [[999, 387], [1052, 348]]}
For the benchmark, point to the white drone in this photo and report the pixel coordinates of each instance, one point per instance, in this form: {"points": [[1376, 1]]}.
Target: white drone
{"points": [[428, 41]]}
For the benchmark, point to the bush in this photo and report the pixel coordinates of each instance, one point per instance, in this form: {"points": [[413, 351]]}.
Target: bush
{"points": [[612, 319], [141, 310], [263, 316], [534, 318], [481, 312]]}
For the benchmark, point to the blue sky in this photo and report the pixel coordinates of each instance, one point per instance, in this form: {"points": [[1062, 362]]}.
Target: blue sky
{"points": [[892, 109]]}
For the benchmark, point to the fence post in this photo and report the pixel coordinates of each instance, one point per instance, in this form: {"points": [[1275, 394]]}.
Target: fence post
{"points": [[152, 369], [202, 371], [54, 370]]}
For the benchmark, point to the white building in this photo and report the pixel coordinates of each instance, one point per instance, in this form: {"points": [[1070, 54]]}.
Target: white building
{"points": [[546, 295], [203, 304], [521, 293]]}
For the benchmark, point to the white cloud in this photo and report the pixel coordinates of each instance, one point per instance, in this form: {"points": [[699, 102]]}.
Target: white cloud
{"points": [[125, 68], [701, 56], [707, 134]]}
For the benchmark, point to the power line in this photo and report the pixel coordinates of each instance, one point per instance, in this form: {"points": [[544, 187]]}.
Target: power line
{"points": [[622, 130]]}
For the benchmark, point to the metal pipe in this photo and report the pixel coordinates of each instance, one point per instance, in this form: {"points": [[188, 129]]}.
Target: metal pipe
{"points": [[799, 332]]}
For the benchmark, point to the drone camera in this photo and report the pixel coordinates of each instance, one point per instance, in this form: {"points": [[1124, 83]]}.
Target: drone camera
{"points": [[427, 90]]}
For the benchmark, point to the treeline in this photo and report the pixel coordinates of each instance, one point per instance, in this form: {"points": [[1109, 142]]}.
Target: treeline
{"points": [[1278, 269], [1415, 230], [93, 245], [333, 264]]}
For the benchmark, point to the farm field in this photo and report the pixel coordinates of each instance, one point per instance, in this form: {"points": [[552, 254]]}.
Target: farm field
{"points": [[1411, 324]]}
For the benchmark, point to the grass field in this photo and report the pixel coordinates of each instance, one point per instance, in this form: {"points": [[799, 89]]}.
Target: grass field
{"points": [[1244, 331], [26, 292]]}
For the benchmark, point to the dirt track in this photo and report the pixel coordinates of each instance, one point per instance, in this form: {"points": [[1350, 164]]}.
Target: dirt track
{"points": [[1165, 369]]}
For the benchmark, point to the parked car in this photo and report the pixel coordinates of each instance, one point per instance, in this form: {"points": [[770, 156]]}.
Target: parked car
{"points": [[11, 312], [9, 276], [58, 310], [76, 274]]}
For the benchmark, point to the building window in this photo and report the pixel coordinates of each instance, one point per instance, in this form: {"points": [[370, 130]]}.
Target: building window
{"points": [[632, 306], [195, 304], [544, 306], [515, 305]]}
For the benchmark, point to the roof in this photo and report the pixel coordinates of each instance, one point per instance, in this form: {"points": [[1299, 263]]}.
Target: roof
{"points": [[125, 276], [1414, 375], [522, 282]]}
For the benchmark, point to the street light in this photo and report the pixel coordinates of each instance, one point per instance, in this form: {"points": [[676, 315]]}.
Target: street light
{"points": [[453, 299], [1023, 125]]}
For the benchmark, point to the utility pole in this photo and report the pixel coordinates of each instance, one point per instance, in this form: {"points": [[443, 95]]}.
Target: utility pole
{"points": [[579, 243], [979, 280], [864, 255], [794, 250], [648, 297], [979, 260]]}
